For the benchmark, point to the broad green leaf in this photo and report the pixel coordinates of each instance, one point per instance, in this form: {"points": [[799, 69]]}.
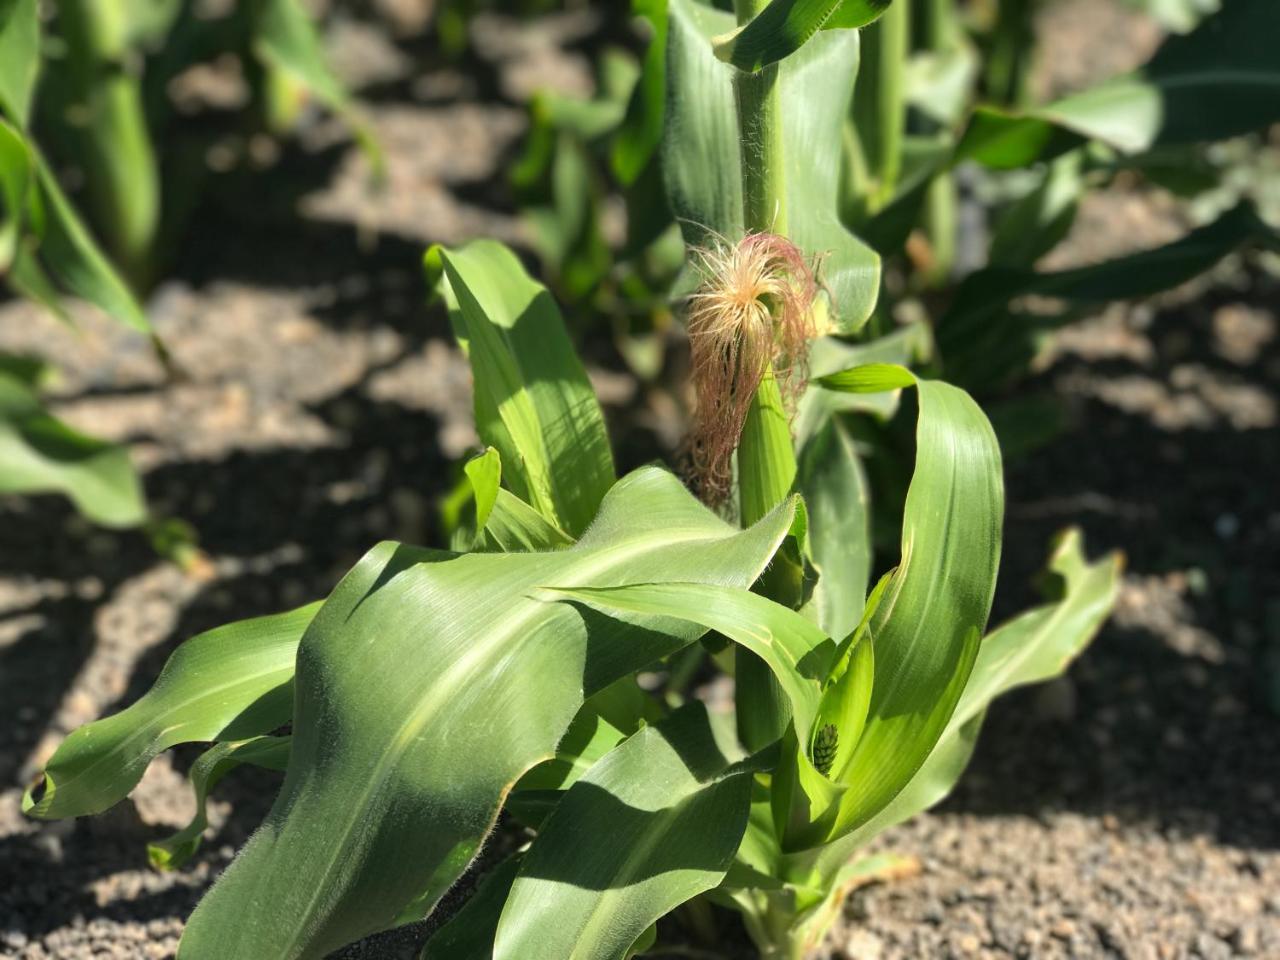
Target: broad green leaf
{"points": [[653, 824], [784, 26], [926, 626], [1221, 80], [69, 253], [700, 151], [19, 58], [426, 686], [271, 753], [834, 486], [252, 661], [797, 652], [514, 525], [286, 38], [17, 178], [41, 454], [533, 400], [1032, 647]]}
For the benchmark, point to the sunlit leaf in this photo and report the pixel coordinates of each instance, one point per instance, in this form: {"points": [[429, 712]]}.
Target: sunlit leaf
{"points": [[69, 253], [230, 683], [784, 26], [427, 685], [533, 400], [1030, 648], [926, 626]]}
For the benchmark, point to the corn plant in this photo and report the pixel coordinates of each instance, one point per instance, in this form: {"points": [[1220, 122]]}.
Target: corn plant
{"points": [[100, 94], [435, 689]]}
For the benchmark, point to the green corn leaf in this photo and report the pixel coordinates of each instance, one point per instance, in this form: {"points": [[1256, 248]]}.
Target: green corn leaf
{"points": [[700, 151], [589, 737], [798, 652], [784, 26], [500, 520], [271, 753], [41, 454], [17, 179], [427, 685], [469, 933], [1221, 80], [925, 627], [69, 253], [906, 346], [653, 824], [514, 525], [286, 38], [533, 400], [19, 58], [97, 765], [869, 378], [834, 486], [1032, 647], [604, 721]]}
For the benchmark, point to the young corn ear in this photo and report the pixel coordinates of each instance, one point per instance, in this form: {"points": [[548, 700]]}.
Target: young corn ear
{"points": [[754, 309]]}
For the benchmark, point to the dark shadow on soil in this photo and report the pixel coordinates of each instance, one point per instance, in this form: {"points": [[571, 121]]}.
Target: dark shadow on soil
{"points": [[1166, 717]]}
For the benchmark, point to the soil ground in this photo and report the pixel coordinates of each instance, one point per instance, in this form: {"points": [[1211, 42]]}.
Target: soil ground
{"points": [[1129, 810]]}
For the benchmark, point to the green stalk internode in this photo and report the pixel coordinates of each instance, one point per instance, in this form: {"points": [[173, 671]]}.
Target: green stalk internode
{"points": [[766, 457]]}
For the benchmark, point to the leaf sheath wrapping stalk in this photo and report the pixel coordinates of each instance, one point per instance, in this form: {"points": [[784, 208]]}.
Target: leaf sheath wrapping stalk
{"points": [[701, 142]]}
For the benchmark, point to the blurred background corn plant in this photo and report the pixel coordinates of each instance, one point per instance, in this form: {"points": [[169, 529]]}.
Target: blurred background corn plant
{"points": [[435, 689], [87, 89]]}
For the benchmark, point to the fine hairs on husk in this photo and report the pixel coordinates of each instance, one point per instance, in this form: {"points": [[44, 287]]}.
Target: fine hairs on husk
{"points": [[753, 309]]}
